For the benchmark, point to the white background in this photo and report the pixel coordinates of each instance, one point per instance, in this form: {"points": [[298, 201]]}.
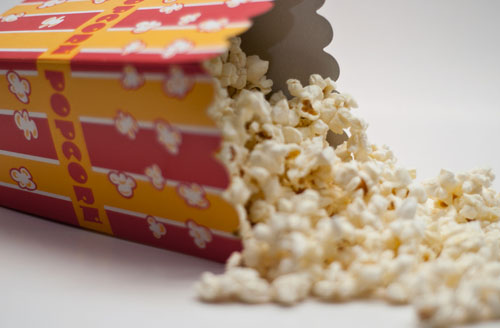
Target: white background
{"points": [[425, 74]]}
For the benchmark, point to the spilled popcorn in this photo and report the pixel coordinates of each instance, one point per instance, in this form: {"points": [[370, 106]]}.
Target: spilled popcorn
{"points": [[344, 223]]}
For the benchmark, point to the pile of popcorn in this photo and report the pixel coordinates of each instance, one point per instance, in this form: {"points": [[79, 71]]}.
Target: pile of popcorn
{"points": [[347, 222]]}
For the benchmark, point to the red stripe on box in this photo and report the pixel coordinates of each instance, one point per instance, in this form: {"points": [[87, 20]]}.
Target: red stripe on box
{"points": [[195, 161], [33, 23], [19, 60], [208, 12], [176, 239], [155, 60], [12, 138], [44, 206], [94, 63]]}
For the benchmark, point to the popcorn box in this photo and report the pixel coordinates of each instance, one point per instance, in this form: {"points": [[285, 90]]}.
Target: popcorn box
{"points": [[103, 120]]}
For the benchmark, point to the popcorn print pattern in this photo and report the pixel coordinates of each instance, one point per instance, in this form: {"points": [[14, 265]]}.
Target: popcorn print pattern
{"points": [[11, 18], [51, 3], [172, 8], [235, 3], [155, 175], [125, 184], [51, 22], [168, 136], [177, 85], [188, 19], [133, 47], [213, 25], [178, 47], [194, 195], [18, 86], [145, 26], [23, 178], [200, 234], [25, 124], [157, 228], [126, 125], [131, 78]]}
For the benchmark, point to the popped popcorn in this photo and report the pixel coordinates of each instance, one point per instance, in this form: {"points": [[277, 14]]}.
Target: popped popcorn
{"points": [[339, 223]]}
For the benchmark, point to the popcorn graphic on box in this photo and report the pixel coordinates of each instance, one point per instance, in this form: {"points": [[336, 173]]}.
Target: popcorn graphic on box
{"points": [[145, 26], [157, 228], [188, 19], [11, 18], [134, 47], [194, 195], [23, 178], [201, 235], [52, 21], [125, 184], [171, 8], [180, 46], [51, 3], [20, 87], [26, 124], [126, 124], [155, 175], [131, 78]]}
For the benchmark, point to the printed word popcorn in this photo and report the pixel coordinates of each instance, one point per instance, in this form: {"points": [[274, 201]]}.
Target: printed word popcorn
{"points": [[344, 223]]}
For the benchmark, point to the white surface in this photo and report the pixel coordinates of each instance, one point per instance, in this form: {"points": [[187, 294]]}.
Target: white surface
{"points": [[425, 74]]}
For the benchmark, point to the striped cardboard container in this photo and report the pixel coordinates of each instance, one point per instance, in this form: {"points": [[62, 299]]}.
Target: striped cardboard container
{"points": [[103, 120]]}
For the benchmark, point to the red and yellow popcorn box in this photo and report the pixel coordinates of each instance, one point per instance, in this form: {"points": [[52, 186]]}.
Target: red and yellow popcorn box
{"points": [[103, 120]]}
